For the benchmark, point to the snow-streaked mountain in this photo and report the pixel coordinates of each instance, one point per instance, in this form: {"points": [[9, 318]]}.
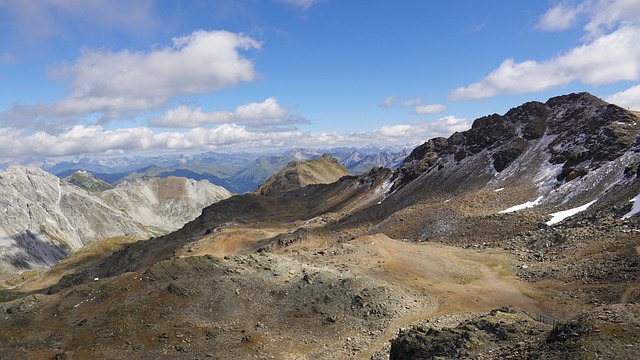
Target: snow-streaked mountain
{"points": [[571, 146]]}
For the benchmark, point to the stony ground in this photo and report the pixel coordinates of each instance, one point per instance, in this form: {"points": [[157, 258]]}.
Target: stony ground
{"points": [[281, 279]]}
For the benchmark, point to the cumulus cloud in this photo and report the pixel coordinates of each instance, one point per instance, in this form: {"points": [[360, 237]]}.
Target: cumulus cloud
{"points": [[113, 84], [559, 17], [610, 14], [395, 130], [610, 52], [201, 62], [95, 139], [629, 98], [268, 112], [416, 103], [610, 58], [429, 109], [424, 130]]}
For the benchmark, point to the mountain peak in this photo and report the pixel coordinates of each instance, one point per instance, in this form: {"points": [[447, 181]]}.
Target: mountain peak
{"points": [[323, 170], [573, 134]]}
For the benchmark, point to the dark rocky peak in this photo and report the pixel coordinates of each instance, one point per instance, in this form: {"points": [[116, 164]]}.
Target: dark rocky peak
{"points": [[587, 133], [579, 131]]}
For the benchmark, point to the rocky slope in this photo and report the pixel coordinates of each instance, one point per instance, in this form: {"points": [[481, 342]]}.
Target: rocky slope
{"points": [[46, 218], [454, 255], [164, 204]]}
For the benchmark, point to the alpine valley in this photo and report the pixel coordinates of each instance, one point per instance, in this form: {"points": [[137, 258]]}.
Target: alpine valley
{"points": [[516, 239]]}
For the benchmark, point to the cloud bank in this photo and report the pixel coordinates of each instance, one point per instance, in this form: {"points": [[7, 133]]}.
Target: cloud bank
{"points": [[95, 139]]}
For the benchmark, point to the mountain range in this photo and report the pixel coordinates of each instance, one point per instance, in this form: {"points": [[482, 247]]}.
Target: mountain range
{"points": [[239, 172], [47, 218], [517, 238]]}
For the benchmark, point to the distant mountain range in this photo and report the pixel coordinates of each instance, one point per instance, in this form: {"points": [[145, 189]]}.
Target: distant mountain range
{"points": [[239, 173]]}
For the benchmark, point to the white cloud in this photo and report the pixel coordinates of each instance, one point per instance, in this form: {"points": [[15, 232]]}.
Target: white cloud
{"points": [[629, 98], [392, 101], [302, 4], [559, 17], [201, 62], [607, 59], [610, 14], [429, 109], [189, 117], [395, 130], [411, 102], [610, 52], [113, 84], [389, 101], [424, 130], [81, 139]]}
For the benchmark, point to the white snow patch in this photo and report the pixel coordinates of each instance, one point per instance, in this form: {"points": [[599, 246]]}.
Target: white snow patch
{"points": [[526, 205], [561, 215], [635, 209], [498, 190]]}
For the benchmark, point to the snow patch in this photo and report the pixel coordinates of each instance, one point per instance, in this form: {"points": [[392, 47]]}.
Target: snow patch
{"points": [[635, 209], [526, 205], [498, 190], [561, 215]]}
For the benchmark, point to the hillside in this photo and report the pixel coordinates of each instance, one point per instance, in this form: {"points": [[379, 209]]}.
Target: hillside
{"points": [[515, 239], [322, 170], [46, 218], [164, 204]]}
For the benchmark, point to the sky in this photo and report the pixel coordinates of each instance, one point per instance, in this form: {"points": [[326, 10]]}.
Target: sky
{"points": [[113, 77]]}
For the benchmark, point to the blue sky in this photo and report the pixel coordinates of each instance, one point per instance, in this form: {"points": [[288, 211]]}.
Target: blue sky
{"points": [[119, 77]]}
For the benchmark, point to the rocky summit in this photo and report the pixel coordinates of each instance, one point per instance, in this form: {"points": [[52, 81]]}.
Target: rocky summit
{"points": [[516, 239]]}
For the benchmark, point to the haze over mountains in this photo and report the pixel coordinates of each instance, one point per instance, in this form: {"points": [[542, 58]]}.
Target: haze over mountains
{"points": [[453, 255]]}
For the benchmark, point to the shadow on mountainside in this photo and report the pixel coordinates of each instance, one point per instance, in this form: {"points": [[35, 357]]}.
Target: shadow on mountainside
{"points": [[34, 252]]}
